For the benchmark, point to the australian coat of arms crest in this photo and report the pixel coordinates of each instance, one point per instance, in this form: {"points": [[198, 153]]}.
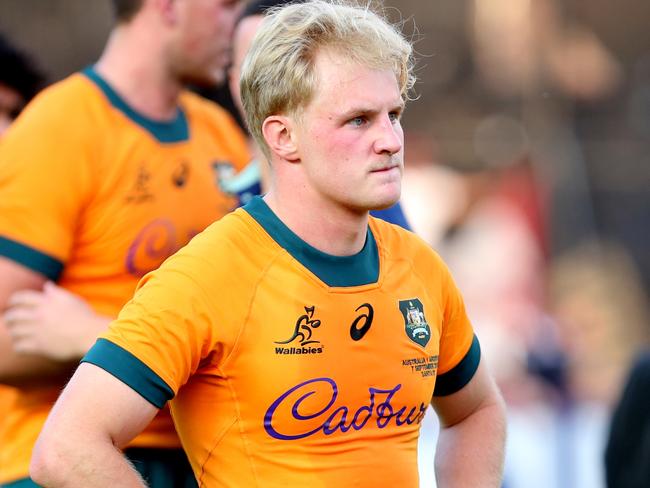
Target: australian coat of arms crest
{"points": [[415, 323]]}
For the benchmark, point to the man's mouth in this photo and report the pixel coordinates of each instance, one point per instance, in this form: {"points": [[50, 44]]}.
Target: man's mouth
{"points": [[386, 168]]}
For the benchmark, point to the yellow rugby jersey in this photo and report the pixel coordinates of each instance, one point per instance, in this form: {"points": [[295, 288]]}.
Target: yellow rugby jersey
{"points": [[93, 195], [291, 367]]}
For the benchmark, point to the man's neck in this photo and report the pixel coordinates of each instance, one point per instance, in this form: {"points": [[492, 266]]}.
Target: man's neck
{"points": [[329, 227], [135, 68]]}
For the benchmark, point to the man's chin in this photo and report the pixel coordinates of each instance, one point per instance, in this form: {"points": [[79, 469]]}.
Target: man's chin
{"points": [[385, 202]]}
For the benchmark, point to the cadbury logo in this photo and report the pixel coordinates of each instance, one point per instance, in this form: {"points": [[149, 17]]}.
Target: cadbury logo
{"points": [[329, 418]]}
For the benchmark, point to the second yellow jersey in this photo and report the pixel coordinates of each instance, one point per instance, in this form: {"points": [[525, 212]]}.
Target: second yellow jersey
{"points": [[291, 367], [94, 195]]}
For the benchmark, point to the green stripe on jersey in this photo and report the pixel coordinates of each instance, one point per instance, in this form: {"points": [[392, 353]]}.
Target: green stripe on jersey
{"points": [[31, 258], [130, 370], [457, 377], [24, 483]]}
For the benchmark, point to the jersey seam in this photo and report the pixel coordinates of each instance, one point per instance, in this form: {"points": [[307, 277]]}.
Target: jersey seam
{"points": [[235, 349], [236, 343], [214, 446]]}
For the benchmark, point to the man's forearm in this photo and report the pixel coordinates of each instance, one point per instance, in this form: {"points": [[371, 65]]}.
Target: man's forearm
{"points": [[64, 465], [26, 370], [95, 415], [471, 453]]}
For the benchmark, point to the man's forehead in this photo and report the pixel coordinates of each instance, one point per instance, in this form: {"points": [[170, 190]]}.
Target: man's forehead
{"points": [[347, 82], [343, 68]]}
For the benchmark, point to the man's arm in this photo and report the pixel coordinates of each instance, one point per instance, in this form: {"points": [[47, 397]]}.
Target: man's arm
{"points": [[471, 444], [53, 323], [79, 445], [43, 334], [17, 369]]}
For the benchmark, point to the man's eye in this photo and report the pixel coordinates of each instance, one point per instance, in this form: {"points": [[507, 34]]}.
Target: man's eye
{"points": [[358, 121], [394, 116]]}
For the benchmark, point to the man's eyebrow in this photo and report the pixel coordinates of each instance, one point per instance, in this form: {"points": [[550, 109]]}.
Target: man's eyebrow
{"points": [[363, 110]]}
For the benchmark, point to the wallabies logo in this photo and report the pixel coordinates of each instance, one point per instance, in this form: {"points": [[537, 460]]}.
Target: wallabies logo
{"points": [[301, 341]]}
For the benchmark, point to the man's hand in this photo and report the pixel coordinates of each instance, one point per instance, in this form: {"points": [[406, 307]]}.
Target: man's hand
{"points": [[53, 323]]}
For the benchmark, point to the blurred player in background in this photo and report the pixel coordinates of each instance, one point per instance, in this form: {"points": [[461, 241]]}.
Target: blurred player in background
{"points": [[20, 80], [103, 176]]}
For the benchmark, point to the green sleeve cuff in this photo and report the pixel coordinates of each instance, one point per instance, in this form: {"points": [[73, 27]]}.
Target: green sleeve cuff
{"points": [[35, 260], [457, 377], [129, 370]]}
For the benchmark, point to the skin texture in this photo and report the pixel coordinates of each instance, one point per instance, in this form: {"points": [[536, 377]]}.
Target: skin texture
{"points": [[83, 410]]}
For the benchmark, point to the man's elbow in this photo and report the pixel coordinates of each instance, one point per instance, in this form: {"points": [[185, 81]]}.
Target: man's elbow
{"points": [[51, 458]]}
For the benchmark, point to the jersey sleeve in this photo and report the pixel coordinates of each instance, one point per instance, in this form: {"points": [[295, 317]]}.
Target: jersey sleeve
{"points": [[43, 184], [460, 351], [164, 333]]}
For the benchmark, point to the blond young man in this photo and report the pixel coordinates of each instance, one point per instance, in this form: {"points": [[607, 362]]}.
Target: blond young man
{"points": [[299, 339], [245, 28]]}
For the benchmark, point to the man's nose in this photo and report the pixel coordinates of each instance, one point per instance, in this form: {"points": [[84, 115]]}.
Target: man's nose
{"points": [[390, 138]]}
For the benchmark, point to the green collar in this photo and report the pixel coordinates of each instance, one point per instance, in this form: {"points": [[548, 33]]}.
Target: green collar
{"points": [[175, 130], [335, 271]]}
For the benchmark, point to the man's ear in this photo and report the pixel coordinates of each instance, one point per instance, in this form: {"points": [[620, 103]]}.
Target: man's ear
{"points": [[279, 135]]}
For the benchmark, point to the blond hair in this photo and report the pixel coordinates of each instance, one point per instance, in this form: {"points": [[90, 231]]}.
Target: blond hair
{"points": [[278, 72]]}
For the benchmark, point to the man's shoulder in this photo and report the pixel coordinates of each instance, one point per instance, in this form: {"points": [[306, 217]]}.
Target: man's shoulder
{"points": [[234, 239], [61, 119], [71, 92], [393, 235], [62, 103], [402, 244]]}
